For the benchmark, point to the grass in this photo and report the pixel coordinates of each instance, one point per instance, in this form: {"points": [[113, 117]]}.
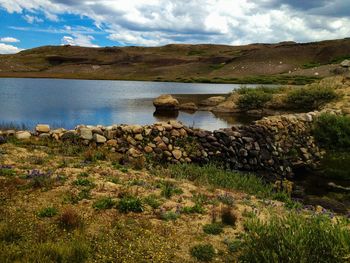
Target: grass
{"points": [[169, 216], [253, 99], [48, 212], [295, 238], [103, 203], [130, 204], [213, 228]]}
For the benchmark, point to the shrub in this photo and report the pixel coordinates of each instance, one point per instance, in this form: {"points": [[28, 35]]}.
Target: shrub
{"points": [[170, 189], [9, 233], [226, 199], [228, 217], [213, 228], [253, 99], [40, 179], [103, 203], [196, 209], [332, 131], [48, 212], [203, 253], [152, 201], [6, 171], [309, 98], [69, 220], [295, 238], [169, 216], [83, 182], [130, 204]]}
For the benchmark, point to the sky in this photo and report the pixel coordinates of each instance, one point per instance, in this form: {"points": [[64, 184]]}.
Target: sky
{"points": [[26, 24]]}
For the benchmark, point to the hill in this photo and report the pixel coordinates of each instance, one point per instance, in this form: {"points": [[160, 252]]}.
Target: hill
{"points": [[285, 62]]}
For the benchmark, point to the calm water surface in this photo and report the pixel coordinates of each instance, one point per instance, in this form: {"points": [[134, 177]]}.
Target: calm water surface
{"points": [[67, 103]]}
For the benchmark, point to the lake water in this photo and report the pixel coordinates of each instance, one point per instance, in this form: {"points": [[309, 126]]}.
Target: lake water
{"points": [[67, 103]]}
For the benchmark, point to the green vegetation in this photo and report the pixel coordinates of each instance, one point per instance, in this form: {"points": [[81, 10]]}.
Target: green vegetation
{"points": [[130, 204], [332, 131], [152, 201], [48, 212], [169, 216], [83, 182], [103, 203], [311, 65], [205, 252], [253, 98], [213, 228], [310, 97], [169, 189], [336, 164], [295, 238], [195, 209]]}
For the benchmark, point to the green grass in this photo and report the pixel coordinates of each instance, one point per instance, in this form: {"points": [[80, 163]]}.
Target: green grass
{"points": [[103, 203], [211, 175], [311, 65], [169, 216], [295, 238], [83, 182], [48, 212], [253, 99], [130, 204]]}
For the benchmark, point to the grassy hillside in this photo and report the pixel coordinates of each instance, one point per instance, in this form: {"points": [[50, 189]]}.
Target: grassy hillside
{"points": [[286, 62]]}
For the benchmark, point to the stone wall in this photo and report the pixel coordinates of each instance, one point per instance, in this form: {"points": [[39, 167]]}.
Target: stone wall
{"points": [[274, 145]]}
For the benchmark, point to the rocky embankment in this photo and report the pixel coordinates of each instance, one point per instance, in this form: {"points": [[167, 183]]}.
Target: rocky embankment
{"points": [[274, 145]]}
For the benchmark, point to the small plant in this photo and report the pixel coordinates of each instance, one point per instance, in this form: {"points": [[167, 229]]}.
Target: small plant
{"points": [[83, 182], [228, 217], [205, 252], [130, 204], [213, 228], [83, 174], [9, 234], [233, 246], [6, 170], [226, 199], [103, 203], [169, 216], [170, 189], [120, 167], [48, 212], [152, 201], [69, 220], [196, 209], [40, 179]]}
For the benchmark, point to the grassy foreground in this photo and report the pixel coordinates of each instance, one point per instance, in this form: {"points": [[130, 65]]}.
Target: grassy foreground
{"points": [[64, 203]]}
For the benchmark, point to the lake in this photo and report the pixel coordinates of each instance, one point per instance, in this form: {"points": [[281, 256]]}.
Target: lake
{"points": [[67, 103]]}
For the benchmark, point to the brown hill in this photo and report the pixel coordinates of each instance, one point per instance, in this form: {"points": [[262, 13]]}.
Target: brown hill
{"points": [[264, 63]]}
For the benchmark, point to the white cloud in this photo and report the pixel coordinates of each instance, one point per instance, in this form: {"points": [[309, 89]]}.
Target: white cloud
{"points": [[32, 19], [8, 49], [9, 40], [78, 40], [156, 22]]}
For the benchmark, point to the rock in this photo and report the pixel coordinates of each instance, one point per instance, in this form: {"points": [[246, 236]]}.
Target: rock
{"points": [[112, 143], [190, 106], [212, 101], [176, 124], [227, 107], [134, 152], [139, 137], [166, 102], [40, 128], [85, 133], [99, 138], [148, 149], [345, 63], [175, 133], [23, 135], [162, 146], [44, 135], [177, 154], [137, 129], [131, 140]]}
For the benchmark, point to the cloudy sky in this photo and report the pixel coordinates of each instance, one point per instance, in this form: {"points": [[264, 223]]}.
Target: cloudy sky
{"points": [[31, 23]]}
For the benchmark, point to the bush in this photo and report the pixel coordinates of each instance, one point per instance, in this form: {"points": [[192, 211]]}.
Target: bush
{"points": [[310, 98], [69, 220], [48, 212], [332, 131], [130, 204], [228, 217], [170, 189], [83, 182], [169, 216], [253, 98], [213, 228], [196, 209], [203, 253], [152, 201], [295, 238], [103, 203]]}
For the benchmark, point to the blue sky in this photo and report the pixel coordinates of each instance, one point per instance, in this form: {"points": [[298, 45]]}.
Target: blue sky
{"points": [[31, 23]]}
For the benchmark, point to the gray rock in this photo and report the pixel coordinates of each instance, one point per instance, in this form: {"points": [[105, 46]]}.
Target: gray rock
{"points": [[41, 128], [23, 135], [85, 133], [99, 138], [166, 102]]}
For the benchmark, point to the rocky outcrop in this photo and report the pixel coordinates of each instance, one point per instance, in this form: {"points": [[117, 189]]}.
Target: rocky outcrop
{"points": [[345, 63], [275, 145], [190, 106], [166, 102]]}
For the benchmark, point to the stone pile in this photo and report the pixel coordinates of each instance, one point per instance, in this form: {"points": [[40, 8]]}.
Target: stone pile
{"points": [[274, 144]]}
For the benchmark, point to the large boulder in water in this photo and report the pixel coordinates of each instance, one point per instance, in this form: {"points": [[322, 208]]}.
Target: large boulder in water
{"points": [[212, 101], [166, 102]]}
